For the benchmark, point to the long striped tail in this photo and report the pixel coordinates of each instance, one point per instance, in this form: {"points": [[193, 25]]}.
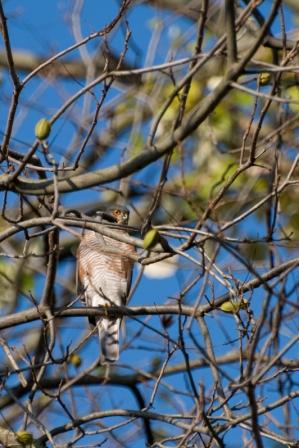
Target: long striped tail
{"points": [[109, 339]]}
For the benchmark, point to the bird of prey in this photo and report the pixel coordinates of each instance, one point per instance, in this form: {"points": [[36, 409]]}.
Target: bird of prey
{"points": [[105, 278]]}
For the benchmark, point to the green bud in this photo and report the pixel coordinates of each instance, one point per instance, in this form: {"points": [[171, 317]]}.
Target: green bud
{"points": [[75, 360], [24, 437], [42, 129], [151, 238], [265, 78], [234, 306]]}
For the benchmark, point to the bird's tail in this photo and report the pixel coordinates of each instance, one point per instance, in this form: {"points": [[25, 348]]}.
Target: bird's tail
{"points": [[109, 339]]}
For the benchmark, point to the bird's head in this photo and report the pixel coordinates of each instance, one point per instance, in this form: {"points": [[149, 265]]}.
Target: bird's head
{"points": [[117, 214], [120, 214]]}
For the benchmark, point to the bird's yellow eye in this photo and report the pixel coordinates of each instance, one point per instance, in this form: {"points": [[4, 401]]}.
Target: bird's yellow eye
{"points": [[117, 212]]}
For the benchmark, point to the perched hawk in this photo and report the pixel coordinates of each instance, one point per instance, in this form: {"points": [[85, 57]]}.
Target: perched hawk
{"points": [[105, 278]]}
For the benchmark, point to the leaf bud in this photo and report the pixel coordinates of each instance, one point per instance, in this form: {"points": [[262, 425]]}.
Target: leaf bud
{"points": [[42, 129], [24, 437], [234, 306], [75, 360], [151, 238], [265, 79]]}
